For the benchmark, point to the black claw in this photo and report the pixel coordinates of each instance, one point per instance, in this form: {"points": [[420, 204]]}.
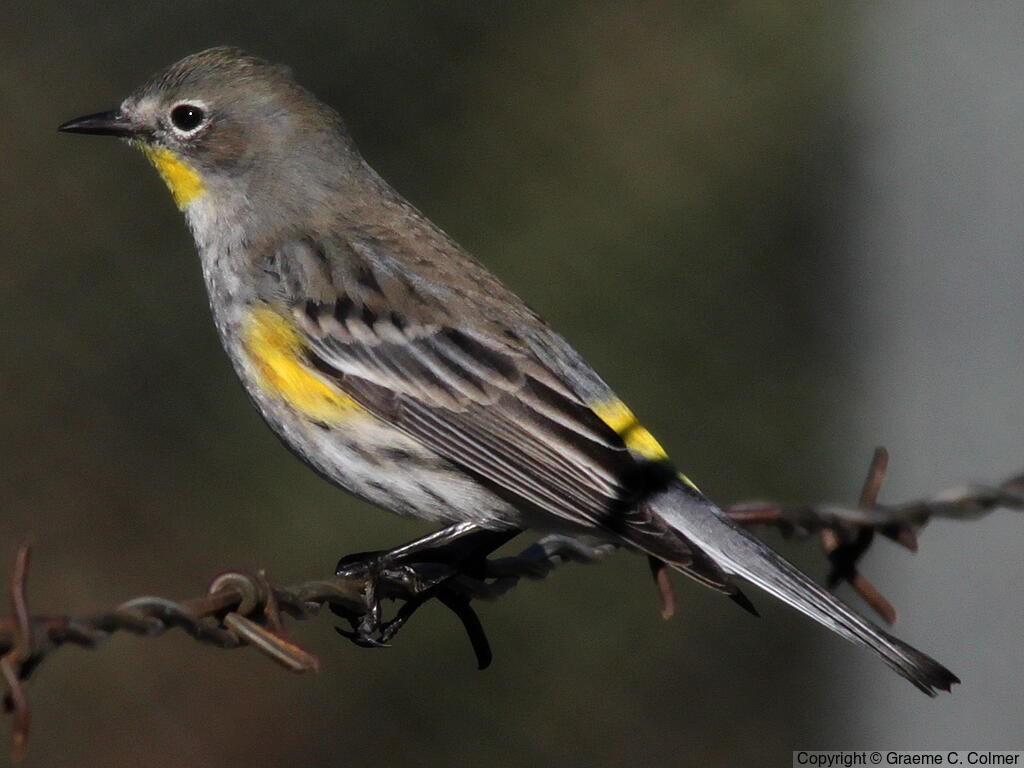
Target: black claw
{"points": [[390, 629], [459, 604], [361, 639]]}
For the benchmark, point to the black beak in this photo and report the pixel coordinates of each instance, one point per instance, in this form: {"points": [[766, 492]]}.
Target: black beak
{"points": [[102, 124]]}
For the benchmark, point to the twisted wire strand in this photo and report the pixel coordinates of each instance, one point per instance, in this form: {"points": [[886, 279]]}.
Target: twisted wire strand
{"points": [[243, 608]]}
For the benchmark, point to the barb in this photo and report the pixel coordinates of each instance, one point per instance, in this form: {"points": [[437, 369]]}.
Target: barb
{"points": [[246, 609], [17, 655], [846, 533]]}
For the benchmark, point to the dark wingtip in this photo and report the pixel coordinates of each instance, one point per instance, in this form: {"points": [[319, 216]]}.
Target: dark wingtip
{"points": [[744, 602], [933, 681], [924, 672], [937, 678]]}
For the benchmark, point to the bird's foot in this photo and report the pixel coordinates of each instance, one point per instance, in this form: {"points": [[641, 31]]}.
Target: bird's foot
{"points": [[415, 573], [386, 575]]}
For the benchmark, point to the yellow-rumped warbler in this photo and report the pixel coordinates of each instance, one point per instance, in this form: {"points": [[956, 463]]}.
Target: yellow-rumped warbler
{"points": [[399, 367]]}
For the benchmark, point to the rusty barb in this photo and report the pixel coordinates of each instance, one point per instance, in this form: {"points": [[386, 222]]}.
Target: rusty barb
{"points": [[238, 609], [846, 533], [242, 608]]}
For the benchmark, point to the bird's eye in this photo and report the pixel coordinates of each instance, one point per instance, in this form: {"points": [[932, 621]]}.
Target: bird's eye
{"points": [[187, 117]]}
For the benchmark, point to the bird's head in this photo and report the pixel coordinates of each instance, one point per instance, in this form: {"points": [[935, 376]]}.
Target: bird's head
{"points": [[226, 124]]}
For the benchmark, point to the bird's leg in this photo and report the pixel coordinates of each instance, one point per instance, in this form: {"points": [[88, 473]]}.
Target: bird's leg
{"points": [[413, 571]]}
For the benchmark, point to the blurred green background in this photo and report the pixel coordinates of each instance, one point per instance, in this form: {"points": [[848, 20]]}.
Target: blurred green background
{"points": [[695, 194]]}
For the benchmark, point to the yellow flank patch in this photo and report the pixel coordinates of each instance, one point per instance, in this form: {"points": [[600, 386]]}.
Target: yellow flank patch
{"points": [[617, 415], [180, 177], [275, 348]]}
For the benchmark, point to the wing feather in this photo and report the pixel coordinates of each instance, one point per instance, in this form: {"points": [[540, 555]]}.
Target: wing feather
{"points": [[477, 402], [509, 404]]}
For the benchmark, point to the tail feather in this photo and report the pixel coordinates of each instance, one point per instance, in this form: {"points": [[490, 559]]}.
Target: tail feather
{"points": [[742, 554]]}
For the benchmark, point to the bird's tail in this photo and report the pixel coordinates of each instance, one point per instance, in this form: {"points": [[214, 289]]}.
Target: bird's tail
{"points": [[740, 553]]}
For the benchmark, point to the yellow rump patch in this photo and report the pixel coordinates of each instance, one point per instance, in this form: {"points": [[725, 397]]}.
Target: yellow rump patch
{"points": [[275, 348], [180, 177], [617, 415]]}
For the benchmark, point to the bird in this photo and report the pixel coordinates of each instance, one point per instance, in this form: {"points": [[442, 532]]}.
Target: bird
{"points": [[400, 369]]}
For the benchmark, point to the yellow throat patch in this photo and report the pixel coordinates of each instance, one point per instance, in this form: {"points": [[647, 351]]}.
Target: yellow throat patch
{"points": [[180, 177], [617, 415], [275, 348]]}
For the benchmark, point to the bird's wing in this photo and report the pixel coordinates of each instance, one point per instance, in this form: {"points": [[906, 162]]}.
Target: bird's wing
{"points": [[467, 383], [493, 411]]}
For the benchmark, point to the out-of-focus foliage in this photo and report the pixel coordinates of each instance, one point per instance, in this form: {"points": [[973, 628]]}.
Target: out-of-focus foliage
{"points": [[655, 178]]}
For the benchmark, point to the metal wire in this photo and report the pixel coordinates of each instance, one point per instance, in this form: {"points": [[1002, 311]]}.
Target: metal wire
{"points": [[245, 609]]}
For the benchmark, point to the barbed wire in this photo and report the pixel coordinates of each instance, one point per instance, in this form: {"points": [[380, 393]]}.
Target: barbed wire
{"points": [[242, 608]]}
